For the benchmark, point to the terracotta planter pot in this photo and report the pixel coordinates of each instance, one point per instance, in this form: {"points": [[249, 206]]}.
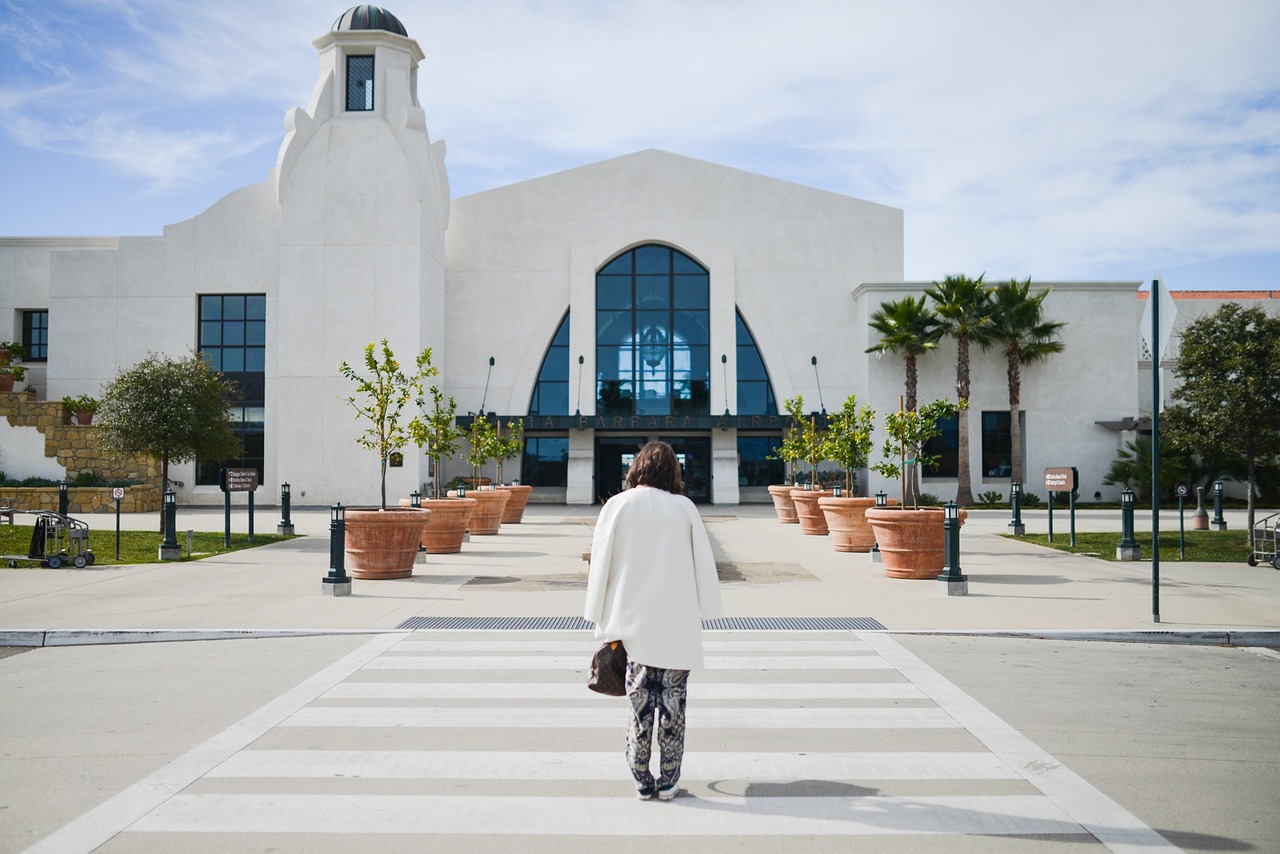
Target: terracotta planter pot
{"points": [[782, 503], [84, 417], [911, 541], [450, 518], [514, 511], [489, 506], [383, 543], [812, 522], [6, 382], [847, 522]]}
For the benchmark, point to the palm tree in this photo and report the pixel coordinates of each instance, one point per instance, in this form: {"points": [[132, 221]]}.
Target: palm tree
{"points": [[1018, 325], [963, 307], [907, 326]]}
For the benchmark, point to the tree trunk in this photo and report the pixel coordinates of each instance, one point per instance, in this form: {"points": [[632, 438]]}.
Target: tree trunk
{"points": [[964, 477], [1253, 472], [1015, 423], [164, 487], [911, 476]]}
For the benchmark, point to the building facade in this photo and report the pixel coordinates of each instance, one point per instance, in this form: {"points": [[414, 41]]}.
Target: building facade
{"points": [[647, 296]]}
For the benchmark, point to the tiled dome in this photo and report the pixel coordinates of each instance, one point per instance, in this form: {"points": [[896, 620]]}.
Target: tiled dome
{"points": [[366, 17]]}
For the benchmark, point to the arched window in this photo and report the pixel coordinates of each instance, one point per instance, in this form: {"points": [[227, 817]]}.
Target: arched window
{"points": [[755, 392], [653, 334], [551, 391]]}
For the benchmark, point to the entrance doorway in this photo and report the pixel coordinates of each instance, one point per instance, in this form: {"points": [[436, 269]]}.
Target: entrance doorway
{"points": [[614, 454]]}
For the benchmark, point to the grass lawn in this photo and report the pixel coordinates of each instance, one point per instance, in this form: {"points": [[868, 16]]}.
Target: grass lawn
{"points": [[135, 546], [1208, 546]]}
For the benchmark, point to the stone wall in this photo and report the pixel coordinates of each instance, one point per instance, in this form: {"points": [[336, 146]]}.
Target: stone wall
{"points": [[76, 449]]}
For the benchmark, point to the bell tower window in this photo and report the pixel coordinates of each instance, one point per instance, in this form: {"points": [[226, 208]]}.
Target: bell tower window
{"points": [[359, 83]]}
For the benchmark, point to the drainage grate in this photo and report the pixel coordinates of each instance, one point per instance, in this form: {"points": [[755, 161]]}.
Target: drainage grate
{"points": [[525, 624]]}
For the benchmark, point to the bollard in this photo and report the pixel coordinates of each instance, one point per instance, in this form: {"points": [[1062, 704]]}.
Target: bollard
{"points": [[882, 501], [286, 523], [952, 581], [169, 548], [1217, 523], [337, 582], [1128, 548], [62, 499], [1015, 504]]}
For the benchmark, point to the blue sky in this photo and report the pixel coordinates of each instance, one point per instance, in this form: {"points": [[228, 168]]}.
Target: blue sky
{"points": [[1090, 139]]}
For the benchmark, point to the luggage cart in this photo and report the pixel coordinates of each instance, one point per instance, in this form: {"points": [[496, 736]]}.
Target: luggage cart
{"points": [[55, 540], [1266, 548]]}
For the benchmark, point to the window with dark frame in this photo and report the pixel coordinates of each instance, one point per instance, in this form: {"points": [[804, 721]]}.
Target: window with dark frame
{"points": [[232, 337], [946, 448], [551, 391], [359, 83], [997, 445], [35, 335]]}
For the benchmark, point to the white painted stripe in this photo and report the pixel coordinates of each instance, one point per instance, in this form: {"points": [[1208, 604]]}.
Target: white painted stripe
{"points": [[597, 718], [587, 645], [514, 765], [96, 827], [623, 816], [698, 691], [1113, 825], [583, 662]]}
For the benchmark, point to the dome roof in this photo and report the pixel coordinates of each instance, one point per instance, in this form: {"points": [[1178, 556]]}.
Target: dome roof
{"points": [[366, 17]]}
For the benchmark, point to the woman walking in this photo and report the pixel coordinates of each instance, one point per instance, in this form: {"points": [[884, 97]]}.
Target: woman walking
{"points": [[652, 581]]}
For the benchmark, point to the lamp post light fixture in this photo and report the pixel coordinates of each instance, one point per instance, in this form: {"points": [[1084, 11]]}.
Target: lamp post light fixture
{"points": [[1128, 548], [882, 501], [337, 582], [415, 499], [952, 582], [286, 523], [169, 548], [1015, 504], [63, 501], [1217, 523]]}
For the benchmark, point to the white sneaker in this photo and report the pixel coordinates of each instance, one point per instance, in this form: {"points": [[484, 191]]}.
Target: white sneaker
{"points": [[668, 794]]}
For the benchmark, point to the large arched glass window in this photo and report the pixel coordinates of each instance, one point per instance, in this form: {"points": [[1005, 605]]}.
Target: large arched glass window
{"points": [[653, 334], [755, 394], [551, 392]]}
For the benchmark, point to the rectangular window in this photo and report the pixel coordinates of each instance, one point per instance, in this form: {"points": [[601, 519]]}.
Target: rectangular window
{"points": [[35, 335], [997, 445], [946, 448], [359, 83], [756, 463], [546, 461], [232, 336]]}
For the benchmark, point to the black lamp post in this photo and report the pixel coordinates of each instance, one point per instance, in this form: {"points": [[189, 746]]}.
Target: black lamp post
{"points": [[1217, 523], [62, 498], [1015, 504], [169, 548], [952, 581], [1128, 548], [337, 582], [286, 523], [882, 501], [415, 499]]}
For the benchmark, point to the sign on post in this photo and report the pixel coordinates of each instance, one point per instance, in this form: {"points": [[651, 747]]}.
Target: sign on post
{"points": [[236, 480], [241, 480], [1062, 479]]}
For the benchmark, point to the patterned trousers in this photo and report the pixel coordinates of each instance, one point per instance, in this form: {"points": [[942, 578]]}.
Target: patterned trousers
{"points": [[656, 693]]}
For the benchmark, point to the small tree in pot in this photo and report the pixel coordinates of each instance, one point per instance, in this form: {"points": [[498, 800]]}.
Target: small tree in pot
{"points": [[485, 445], [434, 430]]}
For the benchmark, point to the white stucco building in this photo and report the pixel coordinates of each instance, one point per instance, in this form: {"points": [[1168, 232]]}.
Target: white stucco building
{"points": [[647, 296]]}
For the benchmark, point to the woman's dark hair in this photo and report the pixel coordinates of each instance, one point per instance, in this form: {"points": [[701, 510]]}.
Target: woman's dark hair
{"points": [[656, 465]]}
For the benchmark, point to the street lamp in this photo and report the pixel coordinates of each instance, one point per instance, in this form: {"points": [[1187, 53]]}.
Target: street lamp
{"points": [[1015, 504], [169, 548], [1128, 548], [415, 499], [286, 524], [952, 581], [337, 582], [1217, 523], [882, 501]]}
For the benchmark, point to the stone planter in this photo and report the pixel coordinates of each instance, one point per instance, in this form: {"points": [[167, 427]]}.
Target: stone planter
{"points": [[383, 543], [450, 518], [812, 522], [912, 542], [514, 511], [847, 522], [490, 503], [782, 503]]}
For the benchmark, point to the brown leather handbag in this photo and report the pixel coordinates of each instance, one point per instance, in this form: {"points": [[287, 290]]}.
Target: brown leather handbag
{"points": [[609, 670]]}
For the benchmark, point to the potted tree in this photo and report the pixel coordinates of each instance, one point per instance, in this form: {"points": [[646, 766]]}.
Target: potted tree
{"points": [[484, 446], [911, 539], [509, 447], [383, 543], [791, 452], [849, 445], [10, 352], [809, 446], [83, 407], [434, 431]]}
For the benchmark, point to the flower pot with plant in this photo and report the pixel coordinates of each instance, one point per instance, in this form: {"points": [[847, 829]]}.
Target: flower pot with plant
{"points": [[11, 373], [82, 407], [434, 431], [485, 446], [383, 543], [808, 444], [911, 539], [849, 444], [791, 451], [510, 447]]}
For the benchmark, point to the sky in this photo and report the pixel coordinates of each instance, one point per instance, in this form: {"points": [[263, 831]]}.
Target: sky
{"points": [[1055, 139]]}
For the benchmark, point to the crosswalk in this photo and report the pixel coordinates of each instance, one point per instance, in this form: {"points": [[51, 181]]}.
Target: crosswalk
{"points": [[487, 741]]}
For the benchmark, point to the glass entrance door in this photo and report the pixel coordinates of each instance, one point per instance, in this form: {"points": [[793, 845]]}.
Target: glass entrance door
{"points": [[694, 453], [613, 457]]}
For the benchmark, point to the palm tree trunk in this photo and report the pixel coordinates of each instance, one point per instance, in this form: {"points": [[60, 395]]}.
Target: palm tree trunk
{"points": [[1015, 422], [964, 477]]}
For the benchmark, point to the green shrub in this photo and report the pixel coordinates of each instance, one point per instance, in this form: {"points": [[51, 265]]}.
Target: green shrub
{"points": [[928, 499], [1030, 499], [991, 498]]}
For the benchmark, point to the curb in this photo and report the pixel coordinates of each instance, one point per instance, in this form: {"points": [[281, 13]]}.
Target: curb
{"points": [[1201, 637], [92, 637]]}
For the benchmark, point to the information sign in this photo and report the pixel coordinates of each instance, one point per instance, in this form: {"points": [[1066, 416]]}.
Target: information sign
{"points": [[241, 480], [1060, 479]]}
